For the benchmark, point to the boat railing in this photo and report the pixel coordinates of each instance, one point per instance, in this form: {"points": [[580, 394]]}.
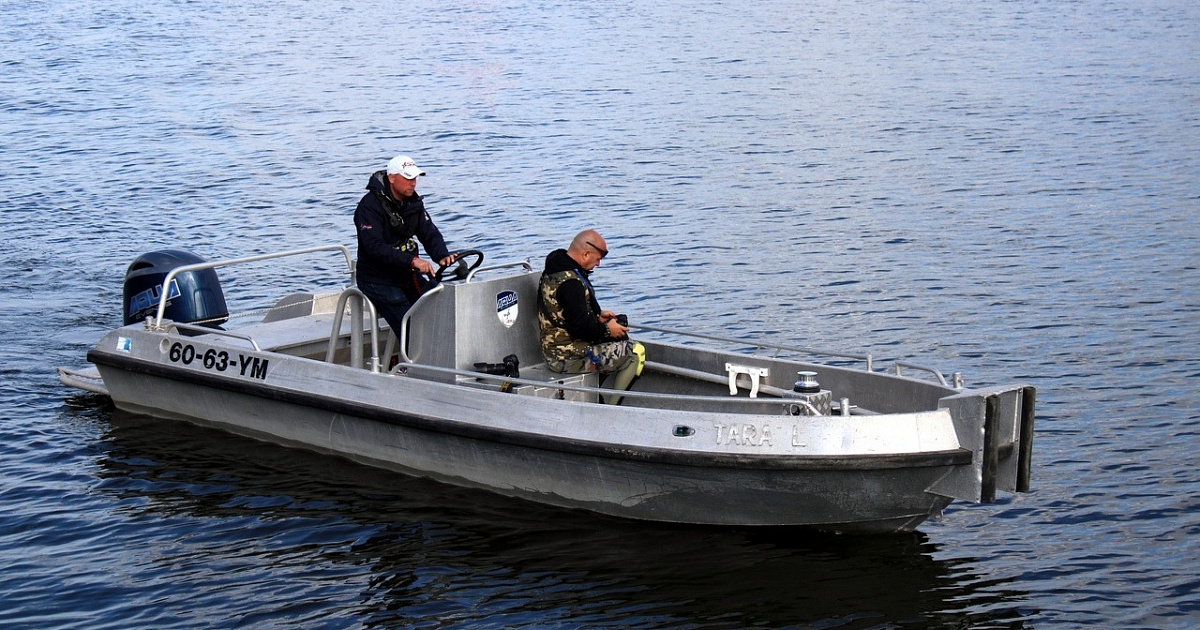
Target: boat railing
{"points": [[790, 405], [156, 323], [761, 346], [402, 334], [941, 379], [717, 379], [217, 331], [525, 264], [356, 298], [400, 337]]}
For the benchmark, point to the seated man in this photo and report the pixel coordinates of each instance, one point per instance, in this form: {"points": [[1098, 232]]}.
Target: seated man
{"points": [[577, 336]]}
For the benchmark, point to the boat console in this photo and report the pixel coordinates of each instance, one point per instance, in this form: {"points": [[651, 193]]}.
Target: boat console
{"points": [[490, 316]]}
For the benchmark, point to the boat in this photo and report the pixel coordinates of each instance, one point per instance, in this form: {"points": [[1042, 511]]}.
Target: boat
{"points": [[717, 431]]}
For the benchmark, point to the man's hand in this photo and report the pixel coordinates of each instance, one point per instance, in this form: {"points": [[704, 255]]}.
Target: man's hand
{"points": [[422, 265], [615, 329], [445, 262]]}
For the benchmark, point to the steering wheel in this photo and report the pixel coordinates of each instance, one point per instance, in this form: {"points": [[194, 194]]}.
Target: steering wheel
{"points": [[461, 268]]}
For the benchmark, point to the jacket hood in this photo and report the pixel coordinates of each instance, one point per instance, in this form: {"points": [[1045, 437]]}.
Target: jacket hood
{"points": [[559, 260], [379, 183]]}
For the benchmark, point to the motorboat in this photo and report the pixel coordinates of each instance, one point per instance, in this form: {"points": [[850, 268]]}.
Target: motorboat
{"points": [[717, 431]]}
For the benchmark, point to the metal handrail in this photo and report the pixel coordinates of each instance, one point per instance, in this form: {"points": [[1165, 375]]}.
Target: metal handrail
{"points": [[759, 344], [520, 263], [938, 374], [867, 357], [603, 391], [355, 328], [402, 334], [156, 324], [215, 331]]}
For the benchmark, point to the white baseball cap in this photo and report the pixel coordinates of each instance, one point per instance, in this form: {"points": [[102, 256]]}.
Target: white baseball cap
{"points": [[404, 166]]}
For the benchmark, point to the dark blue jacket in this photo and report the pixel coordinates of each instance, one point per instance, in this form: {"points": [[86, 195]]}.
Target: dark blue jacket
{"points": [[386, 229]]}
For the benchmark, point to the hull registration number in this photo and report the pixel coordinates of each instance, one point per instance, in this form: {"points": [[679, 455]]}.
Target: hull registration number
{"points": [[219, 360]]}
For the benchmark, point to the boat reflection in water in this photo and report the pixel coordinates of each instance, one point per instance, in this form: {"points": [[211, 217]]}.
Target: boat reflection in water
{"points": [[282, 528]]}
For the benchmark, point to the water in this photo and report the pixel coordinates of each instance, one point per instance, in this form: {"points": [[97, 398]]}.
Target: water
{"points": [[1006, 189]]}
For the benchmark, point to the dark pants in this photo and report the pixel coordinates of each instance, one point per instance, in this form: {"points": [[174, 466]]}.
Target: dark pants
{"points": [[391, 302]]}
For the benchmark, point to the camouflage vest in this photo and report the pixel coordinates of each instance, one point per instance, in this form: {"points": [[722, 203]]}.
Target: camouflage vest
{"points": [[556, 341]]}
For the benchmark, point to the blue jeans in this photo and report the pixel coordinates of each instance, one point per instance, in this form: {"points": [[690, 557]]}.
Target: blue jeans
{"points": [[391, 302]]}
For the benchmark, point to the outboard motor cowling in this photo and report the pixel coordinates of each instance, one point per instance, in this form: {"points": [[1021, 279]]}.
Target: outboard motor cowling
{"points": [[194, 297]]}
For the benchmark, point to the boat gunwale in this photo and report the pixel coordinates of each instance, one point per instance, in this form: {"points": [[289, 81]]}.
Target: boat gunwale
{"points": [[650, 454]]}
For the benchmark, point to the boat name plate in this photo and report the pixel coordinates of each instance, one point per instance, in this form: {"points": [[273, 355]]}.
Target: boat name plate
{"points": [[748, 434]]}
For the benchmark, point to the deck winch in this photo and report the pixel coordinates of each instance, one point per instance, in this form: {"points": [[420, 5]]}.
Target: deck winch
{"points": [[807, 389]]}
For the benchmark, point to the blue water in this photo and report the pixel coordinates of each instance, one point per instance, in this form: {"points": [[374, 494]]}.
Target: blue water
{"points": [[1006, 189]]}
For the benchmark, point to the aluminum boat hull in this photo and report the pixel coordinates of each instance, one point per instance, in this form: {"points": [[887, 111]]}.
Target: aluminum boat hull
{"points": [[863, 493]]}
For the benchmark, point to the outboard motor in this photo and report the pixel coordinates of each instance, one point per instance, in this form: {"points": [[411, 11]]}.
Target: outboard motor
{"points": [[193, 297]]}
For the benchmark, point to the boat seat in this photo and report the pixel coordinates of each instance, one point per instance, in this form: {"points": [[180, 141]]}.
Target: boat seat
{"points": [[541, 373], [551, 388]]}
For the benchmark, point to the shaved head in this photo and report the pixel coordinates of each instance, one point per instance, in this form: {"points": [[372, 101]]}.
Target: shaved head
{"points": [[587, 248], [581, 240]]}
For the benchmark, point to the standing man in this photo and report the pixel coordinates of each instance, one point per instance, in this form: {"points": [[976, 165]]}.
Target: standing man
{"points": [[390, 219], [577, 336]]}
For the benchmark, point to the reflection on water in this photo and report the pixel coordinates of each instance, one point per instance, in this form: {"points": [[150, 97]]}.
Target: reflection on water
{"points": [[415, 553]]}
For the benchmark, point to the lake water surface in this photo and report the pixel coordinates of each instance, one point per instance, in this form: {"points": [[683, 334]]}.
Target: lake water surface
{"points": [[1006, 189]]}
